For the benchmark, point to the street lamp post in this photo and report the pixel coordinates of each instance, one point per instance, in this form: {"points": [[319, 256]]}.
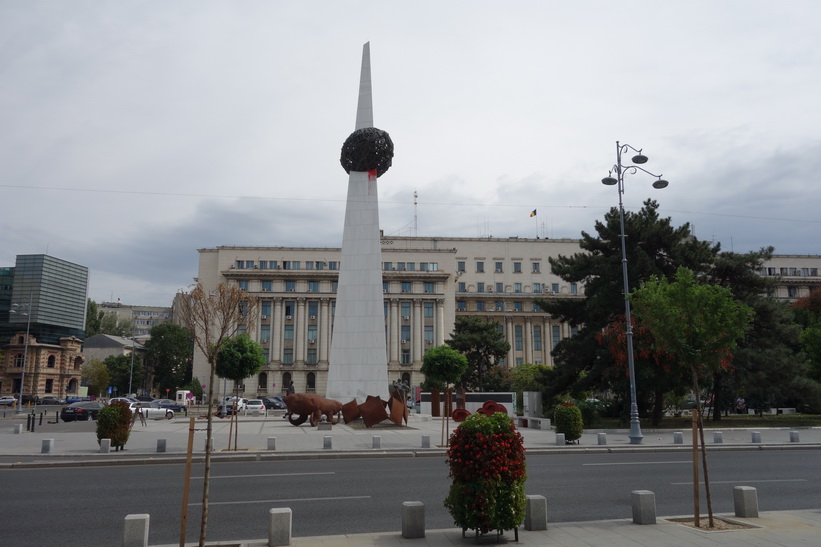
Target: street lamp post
{"points": [[27, 313], [131, 372], [635, 435]]}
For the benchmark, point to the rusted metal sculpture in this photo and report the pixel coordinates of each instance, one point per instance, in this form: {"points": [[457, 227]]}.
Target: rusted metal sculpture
{"points": [[313, 406]]}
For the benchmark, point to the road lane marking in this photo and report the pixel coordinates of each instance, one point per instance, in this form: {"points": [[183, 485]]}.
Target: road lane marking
{"points": [[739, 481], [284, 500], [268, 475], [636, 463]]}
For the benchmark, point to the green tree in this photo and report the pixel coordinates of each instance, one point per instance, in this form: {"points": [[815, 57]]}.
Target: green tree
{"points": [[169, 356], [654, 248], [699, 325], [121, 373], [96, 375], [93, 318], [483, 343], [443, 365], [111, 324], [213, 317], [239, 358]]}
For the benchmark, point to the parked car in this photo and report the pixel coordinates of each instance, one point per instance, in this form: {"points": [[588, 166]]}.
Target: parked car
{"points": [[144, 398], [75, 399], [274, 403], [254, 405], [83, 410], [168, 403], [152, 411], [127, 400], [49, 400], [7, 400], [33, 399]]}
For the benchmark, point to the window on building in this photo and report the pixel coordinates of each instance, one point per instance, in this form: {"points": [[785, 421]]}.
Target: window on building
{"points": [[480, 267], [461, 287], [249, 264], [428, 334], [313, 286], [518, 342], [310, 382], [537, 268], [480, 287], [537, 288], [405, 308], [400, 266], [310, 356], [460, 266], [554, 288], [537, 338], [289, 332], [243, 284], [312, 330], [406, 334], [309, 265], [18, 360], [517, 287], [480, 305], [49, 385], [51, 361], [517, 306], [574, 331], [267, 286], [429, 287], [265, 332], [433, 266], [500, 306], [428, 309], [385, 286], [813, 272], [406, 286], [286, 380], [792, 292], [334, 286], [313, 309], [288, 356], [239, 264], [536, 307], [266, 308], [517, 267], [461, 305], [290, 308], [500, 287], [556, 332], [387, 266], [296, 265], [499, 268], [262, 381], [333, 265], [406, 356]]}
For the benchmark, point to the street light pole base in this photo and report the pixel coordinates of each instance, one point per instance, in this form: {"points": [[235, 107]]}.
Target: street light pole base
{"points": [[635, 435]]}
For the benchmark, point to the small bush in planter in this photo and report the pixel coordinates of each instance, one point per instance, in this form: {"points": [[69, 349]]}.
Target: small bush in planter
{"points": [[567, 418], [114, 422], [487, 465]]}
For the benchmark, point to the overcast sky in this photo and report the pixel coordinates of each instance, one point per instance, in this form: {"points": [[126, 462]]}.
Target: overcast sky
{"points": [[134, 133]]}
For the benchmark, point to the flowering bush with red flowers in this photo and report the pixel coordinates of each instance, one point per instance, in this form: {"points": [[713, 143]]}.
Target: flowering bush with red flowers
{"points": [[487, 465]]}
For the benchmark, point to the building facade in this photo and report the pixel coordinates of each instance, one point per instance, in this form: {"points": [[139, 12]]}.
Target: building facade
{"points": [[427, 283], [142, 318], [42, 323]]}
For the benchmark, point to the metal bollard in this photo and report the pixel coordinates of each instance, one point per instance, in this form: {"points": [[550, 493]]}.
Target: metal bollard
{"points": [[41, 418], [756, 436], [794, 437]]}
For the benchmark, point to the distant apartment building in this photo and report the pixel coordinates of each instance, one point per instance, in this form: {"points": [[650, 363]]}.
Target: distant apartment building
{"points": [[42, 323], [142, 318], [797, 275]]}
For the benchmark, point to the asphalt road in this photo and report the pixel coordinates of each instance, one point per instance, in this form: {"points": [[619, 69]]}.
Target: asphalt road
{"points": [[86, 506]]}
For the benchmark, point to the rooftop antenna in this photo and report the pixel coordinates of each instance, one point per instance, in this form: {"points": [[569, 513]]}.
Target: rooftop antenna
{"points": [[415, 225]]}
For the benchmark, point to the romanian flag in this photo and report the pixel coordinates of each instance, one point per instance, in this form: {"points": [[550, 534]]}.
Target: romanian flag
{"points": [[533, 214]]}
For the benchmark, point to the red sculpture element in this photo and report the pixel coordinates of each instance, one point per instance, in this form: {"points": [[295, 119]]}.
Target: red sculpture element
{"points": [[373, 411], [398, 411], [459, 415], [350, 411], [489, 408], [311, 405]]}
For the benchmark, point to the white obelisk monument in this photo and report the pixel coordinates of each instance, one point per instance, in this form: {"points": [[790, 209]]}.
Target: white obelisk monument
{"points": [[358, 360]]}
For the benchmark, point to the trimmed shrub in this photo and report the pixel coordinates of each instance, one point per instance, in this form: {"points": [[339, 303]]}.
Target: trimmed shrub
{"points": [[567, 418], [487, 465], [114, 422]]}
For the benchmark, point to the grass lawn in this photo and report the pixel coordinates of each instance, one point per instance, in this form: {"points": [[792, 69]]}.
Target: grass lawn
{"points": [[726, 422]]}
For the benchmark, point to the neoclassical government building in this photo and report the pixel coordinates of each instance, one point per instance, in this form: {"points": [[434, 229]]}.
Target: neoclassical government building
{"points": [[427, 282]]}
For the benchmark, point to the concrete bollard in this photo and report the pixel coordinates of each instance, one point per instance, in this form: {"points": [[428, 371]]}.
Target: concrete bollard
{"points": [[279, 526], [536, 513], [327, 442], [602, 438], [756, 436], [324, 426], [161, 445], [272, 443], [135, 531], [644, 506], [745, 499], [425, 441], [678, 437], [560, 439], [377, 442], [794, 437], [718, 437], [413, 519], [48, 445], [18, 428], [105, 446]]}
